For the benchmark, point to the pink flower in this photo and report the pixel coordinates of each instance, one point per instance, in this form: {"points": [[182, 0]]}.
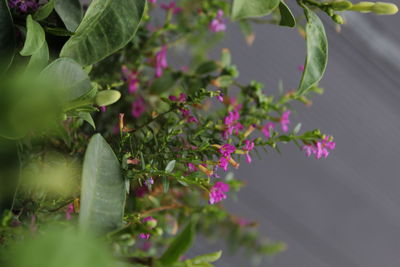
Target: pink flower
{"points": [[186, 114], [152, 1], [227, 149], [103, 108], [231, 124], [182, 98], [192, 167], [144, 236], [301, 68], [267, 129], [217, 192], [320, 148], [149, 181], [285, 121], [138, 107], [220, 97], [218, 23], [131, 77], [70, 210], [224, 163], [248, 146], [161, 61], [171, 6], [148, 218]]}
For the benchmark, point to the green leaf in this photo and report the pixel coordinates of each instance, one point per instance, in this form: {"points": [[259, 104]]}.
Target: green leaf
{"points": [[44, 11], [317, 52], [34, 37], [170, 166], [252, 8], [207, 67], [40, 58], [88, 118], [107, 26], [206, 258], [179, 245], [70, 12], [165, 82], [103, 188], [165, 183], [287, 18], [69, 77], [7, 37]]}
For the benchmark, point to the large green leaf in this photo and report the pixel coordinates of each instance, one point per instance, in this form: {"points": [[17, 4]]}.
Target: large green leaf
{"points": [[103, 188], [7, 37], [317, 52], [44, 11], [252, 8], [70, 12], [69, 77], [179, 245], [35, 37], [40, 58], [107, 26], [287, 18]]}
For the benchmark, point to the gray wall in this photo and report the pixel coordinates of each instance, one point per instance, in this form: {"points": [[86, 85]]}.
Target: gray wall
{"points": [[343, 211]]}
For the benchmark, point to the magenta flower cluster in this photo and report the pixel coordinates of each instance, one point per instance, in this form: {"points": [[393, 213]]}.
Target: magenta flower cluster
{"points": [[320, 148], [24, 6], [217, 192], [218, 23]]}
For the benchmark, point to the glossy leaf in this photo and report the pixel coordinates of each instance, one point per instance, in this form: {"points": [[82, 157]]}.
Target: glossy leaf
{"points": [[170, 166], [317, 52], [70, 12], [103, 188], [107, 26], [179, 245], [35, 37], [40, 58], [252, 8], [69, 77], [287, 18], [7, 36], [88, 118], [44, 11]]}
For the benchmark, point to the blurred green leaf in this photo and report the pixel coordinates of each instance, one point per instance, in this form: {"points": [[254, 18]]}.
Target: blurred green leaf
{"points": [[207, 258], [35, 37], [88, 118], [103, 188], [70, 12], [252, 8], [7, 37], [207, 67], [107, 26], [287, 18], [170, 166], [69, 77], [165, 82], [40, 58], [44, 11], [61, 248], [317, 52], [179, 245]]}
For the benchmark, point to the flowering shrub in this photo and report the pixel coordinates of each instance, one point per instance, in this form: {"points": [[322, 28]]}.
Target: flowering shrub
{"points": [[105, 130]]}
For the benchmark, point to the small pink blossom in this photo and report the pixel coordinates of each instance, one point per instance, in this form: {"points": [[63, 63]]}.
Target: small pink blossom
{"points": [[24, 5], [152, 1], [161, 61], [220, 97], [248, 146], [320, 148], [224, 163], [232, 125], [148, 218], [144, 236], [149, 181], [301, 68], [192, 167], [171, 6], [217, 192], [70, 210], [267, 129], [138, 107], [103, 109], [285, 121], [131, 77], [218, 23], [182, 98], [186, 114]]}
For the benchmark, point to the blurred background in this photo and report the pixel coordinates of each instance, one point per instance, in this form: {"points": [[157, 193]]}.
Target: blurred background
{"points": [[345, 210]]}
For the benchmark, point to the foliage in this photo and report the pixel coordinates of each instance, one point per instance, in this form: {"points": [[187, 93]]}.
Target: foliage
{"points": [[102, 134]]}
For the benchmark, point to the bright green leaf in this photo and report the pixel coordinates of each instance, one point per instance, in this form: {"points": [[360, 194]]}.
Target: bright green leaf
{"points": [[88, 118], [69, 76], [70, 12], [252, 8], [35, 37], [287, 18], [170, 166], [165, 183], [179, 245], [40, 58], [206, 258], [207, 67], [107, 26], [317, 52], [7, 37], [103, 188], [44, 11]]}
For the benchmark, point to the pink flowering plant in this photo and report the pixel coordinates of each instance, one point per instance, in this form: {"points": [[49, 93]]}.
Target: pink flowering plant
{"points": [[107, 131]]}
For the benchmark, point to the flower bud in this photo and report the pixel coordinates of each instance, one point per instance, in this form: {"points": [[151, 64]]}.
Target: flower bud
{"points": [[381, 8], [158, 231], [363, 7], [341, 5], [338, 19], [107, 97]]}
